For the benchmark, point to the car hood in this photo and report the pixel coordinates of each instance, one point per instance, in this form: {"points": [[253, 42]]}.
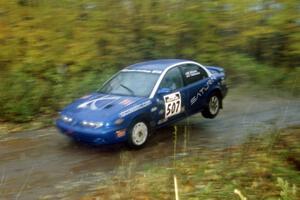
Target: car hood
{"points": [[100, 107]]}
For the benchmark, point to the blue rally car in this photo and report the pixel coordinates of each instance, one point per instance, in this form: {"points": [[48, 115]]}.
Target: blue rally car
{"points": [[141, 98]]}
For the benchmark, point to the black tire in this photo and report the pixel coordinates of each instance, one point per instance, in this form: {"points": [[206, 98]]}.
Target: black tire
{"points": [[213, 106], [138, 134]]}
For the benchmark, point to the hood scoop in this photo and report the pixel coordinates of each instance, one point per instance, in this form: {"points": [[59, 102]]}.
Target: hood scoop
{"points": [[108, 106]]}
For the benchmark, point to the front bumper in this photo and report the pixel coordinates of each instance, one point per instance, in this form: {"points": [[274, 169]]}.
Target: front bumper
{"points": [[104, 135]]}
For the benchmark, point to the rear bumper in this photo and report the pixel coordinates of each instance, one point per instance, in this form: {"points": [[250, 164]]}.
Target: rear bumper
{"points": [[224, 91], [91, 136]]}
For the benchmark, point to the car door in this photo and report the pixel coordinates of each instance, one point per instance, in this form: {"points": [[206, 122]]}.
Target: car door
{"points": [[171, 104], [195, 79]]}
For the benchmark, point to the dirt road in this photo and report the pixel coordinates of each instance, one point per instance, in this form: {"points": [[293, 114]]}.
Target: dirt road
{"points": [[44, 164]]}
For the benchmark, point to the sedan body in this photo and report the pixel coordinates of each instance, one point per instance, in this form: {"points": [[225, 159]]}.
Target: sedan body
{"points": [[141, 98]]}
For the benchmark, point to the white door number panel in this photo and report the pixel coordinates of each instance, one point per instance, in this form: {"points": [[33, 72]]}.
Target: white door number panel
{"points": [[172, 104]]}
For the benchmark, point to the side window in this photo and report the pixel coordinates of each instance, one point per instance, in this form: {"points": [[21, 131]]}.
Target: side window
{"points": [[172, 79], [193, 73]]}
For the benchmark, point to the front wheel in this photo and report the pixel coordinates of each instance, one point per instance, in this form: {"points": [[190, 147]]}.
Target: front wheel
{"points": [[138, 135], [213, 107]]}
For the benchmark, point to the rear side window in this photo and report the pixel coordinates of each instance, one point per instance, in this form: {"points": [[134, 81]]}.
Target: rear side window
{"points": [[172, 79], [193, 73]]}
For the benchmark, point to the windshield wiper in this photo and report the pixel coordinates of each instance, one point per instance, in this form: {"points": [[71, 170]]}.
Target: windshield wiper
{"points": [[127, 88]]}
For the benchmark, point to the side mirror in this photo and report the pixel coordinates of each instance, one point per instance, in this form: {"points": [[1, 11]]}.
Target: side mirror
{"points": [[164, 91]]}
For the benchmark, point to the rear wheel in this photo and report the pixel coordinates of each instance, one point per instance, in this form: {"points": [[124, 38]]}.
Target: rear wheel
{"points": [[213, 106], [138, 134]]}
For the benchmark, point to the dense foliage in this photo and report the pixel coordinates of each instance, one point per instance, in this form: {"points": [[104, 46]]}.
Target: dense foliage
{"points": [[53, 51]]}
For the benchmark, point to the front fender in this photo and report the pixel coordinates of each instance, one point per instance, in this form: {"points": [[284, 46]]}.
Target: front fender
{"points": [[141, 111]]}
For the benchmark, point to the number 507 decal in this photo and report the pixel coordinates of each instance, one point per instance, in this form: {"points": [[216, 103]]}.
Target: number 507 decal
{"points": [[172, 104]]}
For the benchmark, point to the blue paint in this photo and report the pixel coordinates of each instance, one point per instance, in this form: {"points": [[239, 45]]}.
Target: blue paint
{"points": [[95, 118]]}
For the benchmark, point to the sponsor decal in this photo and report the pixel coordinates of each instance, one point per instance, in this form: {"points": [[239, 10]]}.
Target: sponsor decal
{"points": [[154, 109], [126, 102], [201, 91], [172, 104], [192, 73], [92, 103], [135, 108]]}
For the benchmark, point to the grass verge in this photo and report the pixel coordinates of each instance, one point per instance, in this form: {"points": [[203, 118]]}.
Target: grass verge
{"points": [[264, 167]]}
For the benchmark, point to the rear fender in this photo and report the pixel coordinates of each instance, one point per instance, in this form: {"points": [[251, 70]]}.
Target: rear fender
{"points": [[219, 94]]}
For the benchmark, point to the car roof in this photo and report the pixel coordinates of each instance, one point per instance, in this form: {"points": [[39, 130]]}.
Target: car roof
{"points": [[160, 64]]}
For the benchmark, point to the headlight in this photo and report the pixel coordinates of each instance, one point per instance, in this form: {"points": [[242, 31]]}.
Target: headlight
{"points": [[92, 124], [66, 118]]}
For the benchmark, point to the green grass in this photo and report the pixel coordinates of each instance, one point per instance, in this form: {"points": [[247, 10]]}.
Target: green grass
{"points": [[264, 167]]}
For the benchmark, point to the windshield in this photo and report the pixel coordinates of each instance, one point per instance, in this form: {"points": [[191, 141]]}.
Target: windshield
{"points": [[131, 83]]}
